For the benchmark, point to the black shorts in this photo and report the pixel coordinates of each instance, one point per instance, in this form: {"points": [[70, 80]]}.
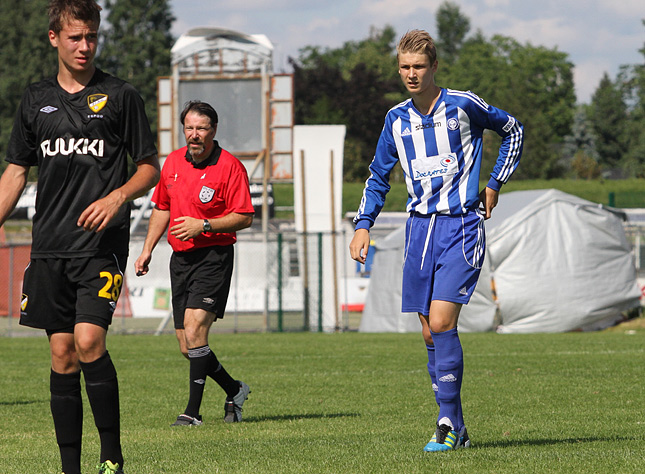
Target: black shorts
{"points": [[201, 279], [60, 292]]}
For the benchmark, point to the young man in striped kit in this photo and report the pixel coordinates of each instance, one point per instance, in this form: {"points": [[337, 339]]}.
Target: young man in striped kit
{"points": [[437, 137]]}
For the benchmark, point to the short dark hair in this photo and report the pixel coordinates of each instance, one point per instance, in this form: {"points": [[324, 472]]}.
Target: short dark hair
{"points": [[201, 108], [60, 11]]}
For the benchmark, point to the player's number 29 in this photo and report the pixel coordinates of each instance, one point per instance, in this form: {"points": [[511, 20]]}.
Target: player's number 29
{"points": [[112, 288]]}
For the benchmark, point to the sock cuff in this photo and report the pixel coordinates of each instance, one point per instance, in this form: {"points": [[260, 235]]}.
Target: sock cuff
{"points": [[99, 370], [201, 351], [64, 384], [448, 333]]}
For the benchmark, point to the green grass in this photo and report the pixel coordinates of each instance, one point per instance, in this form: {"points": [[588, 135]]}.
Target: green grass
{"points": [[351, 403], [626, 193]]}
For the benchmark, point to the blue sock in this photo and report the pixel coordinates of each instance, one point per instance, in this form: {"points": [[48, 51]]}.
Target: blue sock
{"points": [[431, 371], [449, 369]]}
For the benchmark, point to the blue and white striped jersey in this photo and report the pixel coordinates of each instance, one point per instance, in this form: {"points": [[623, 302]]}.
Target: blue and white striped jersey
{"points": [[440, 154]]}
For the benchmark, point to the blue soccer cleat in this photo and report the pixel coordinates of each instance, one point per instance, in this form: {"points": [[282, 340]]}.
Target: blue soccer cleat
{"points": [[446, 439]]}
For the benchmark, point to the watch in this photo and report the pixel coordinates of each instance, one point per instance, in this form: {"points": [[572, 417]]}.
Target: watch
{"points": [[207, 226]]}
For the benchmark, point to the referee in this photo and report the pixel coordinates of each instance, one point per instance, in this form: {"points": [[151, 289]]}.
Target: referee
{"points": [[78, 128], [204, 196]]}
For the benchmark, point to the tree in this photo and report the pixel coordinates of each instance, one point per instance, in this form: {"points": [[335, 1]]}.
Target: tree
{"points": [[608, 118], [357, 83], [579, 153], [535, 84], [136, 44], [452, 28], [632, 82], [353, 85], [26, 56]]}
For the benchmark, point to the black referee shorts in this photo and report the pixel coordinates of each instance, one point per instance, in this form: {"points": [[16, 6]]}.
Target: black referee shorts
{"points": [[201, 279], [60, 292]]}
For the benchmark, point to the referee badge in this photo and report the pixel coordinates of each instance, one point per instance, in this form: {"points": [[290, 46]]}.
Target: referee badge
{"points": [[206, 194], [97, 101]]}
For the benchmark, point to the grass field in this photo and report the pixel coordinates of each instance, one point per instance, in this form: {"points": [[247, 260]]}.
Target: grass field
{"points": [[351, 403]]}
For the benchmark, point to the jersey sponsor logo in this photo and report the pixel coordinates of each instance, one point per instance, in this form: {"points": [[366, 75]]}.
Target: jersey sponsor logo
{"points": [[49, 109], [453, 124], [421, 126], [509, 125], [96, 101], [82, 146], [206, 194], [428, 167]]}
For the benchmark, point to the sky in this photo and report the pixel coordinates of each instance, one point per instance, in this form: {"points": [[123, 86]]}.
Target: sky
{"points": [[598, 35]]}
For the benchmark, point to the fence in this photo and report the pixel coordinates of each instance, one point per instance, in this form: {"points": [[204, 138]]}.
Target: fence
{"points": [[284, 281]]}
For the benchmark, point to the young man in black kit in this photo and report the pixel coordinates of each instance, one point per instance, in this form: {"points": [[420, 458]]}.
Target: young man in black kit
{"points": [[79, 128]]}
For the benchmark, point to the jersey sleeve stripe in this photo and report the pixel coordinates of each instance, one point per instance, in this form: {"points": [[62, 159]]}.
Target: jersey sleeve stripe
{"points": [[470, 96], [512, 157]]}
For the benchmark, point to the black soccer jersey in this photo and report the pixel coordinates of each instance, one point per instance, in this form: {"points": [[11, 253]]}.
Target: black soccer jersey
{"points": [[80, 144]]}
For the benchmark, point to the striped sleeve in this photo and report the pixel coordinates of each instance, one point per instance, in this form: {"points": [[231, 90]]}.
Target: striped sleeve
{"points": [[377, 185]]}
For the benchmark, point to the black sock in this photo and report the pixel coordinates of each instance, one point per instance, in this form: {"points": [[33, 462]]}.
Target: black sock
{"points": [[102, 389], [198, 358], [67, 410], [221, 376]]}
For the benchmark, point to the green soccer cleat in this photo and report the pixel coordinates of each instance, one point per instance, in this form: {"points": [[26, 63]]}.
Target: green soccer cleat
{"points": [[233, 407], [108, 467]]}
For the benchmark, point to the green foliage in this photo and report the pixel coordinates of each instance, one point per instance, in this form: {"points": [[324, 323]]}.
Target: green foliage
{"points": [[357, 83], [26, 56], [350, 403], [535, 84], [580, 145], [584, 166], [608, 118], [452, 28], [629, 193], [631, 81], [354, 85], [136, 46]]}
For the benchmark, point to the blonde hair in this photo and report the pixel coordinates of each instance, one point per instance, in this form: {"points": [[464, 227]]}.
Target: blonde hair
{"points": [[417, 41]]}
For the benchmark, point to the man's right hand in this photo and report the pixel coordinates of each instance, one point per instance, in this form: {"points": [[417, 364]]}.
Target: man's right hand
{"points": [[141, 264], [359, 245]]}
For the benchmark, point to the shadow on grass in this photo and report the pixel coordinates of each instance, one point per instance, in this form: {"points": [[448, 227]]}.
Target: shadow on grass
{"points": [[299, 417], [21, 402], [547, 442]]}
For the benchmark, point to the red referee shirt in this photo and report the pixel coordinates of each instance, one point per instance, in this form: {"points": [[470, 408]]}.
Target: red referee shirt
{"points": [[213, 188]]}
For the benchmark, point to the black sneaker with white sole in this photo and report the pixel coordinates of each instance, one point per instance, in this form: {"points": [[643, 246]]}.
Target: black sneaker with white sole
{"points": [[233, 406]]}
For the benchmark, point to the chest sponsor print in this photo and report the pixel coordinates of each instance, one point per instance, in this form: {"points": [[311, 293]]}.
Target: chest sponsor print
{"points": [[206, 194], [438, 166]]}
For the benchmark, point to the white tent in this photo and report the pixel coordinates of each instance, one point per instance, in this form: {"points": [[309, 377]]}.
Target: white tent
{"points": [[557, 263]]}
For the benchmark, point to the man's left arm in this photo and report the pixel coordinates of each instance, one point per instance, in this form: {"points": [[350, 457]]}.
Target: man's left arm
{"points": [[98, 214], [510, 152]]}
